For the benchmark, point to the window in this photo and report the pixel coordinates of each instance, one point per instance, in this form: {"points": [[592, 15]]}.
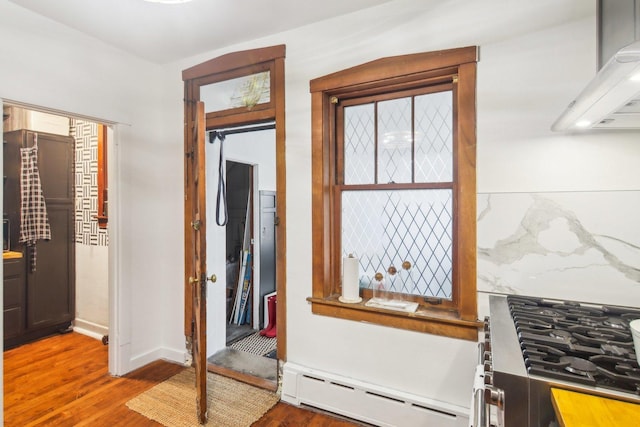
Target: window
{"points": [[394, 184]]}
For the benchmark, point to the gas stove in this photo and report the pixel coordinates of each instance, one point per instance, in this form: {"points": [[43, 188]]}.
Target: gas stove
{"points": [[533, 344], [589, 345]]}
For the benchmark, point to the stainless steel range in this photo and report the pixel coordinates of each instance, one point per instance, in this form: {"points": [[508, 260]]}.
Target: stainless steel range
{"points": [[533, 344]]}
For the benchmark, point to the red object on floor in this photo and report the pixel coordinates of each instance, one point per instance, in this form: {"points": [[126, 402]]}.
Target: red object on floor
{"points": [[270, 330]]}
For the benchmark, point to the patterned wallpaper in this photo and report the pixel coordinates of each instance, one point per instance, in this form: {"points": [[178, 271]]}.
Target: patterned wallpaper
{"points": [[87, 231]]}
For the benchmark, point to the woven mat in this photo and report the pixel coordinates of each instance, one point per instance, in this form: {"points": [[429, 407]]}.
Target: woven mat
{"points": [[231, 403]]}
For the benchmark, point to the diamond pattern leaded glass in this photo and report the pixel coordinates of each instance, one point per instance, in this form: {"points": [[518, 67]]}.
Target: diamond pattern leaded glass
{"points": [[384, 228], [394, 141], [359, 144], [433, 132]]}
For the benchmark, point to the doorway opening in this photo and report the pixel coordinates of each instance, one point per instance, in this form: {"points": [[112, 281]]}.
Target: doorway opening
{"points": [[236, 89], [241, 215], [69, 288]]}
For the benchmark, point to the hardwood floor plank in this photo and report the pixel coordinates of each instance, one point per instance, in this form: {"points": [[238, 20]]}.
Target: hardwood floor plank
{"points": [[64, 381], [120, 390], [285, 415]]}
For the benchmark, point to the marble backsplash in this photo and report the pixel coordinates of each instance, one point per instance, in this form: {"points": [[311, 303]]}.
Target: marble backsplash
{"points": [[579, 246]]}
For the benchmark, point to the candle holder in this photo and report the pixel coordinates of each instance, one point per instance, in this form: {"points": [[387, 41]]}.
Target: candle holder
{"points": [[389, 288], [380, 290]]}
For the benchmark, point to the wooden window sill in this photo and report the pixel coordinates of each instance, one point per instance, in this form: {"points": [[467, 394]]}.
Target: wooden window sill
{"points": [[437, 322]]}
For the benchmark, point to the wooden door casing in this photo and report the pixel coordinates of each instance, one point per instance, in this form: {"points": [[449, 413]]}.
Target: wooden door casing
{"points": [[229, 65]]}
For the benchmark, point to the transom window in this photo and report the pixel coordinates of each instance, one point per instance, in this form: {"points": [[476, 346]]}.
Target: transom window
{"points": [[394, 186]]}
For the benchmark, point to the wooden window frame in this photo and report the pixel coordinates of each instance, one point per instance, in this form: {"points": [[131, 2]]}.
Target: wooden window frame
{"points": [[456, 67]]}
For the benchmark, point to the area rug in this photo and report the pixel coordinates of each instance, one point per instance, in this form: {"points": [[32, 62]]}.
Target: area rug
{"points": [[231, 403], [255, 344]]}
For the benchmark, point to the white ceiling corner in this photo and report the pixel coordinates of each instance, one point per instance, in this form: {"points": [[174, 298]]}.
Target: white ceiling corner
{"points": [[163, 33]]}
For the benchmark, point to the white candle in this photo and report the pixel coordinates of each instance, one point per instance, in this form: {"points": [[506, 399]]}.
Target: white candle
{"points": [[350, 280]]}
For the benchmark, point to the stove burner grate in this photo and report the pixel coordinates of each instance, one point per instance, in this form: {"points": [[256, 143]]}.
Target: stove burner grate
{"points": [[576, 343], [616, 323], [560, 334], [578, 366]]}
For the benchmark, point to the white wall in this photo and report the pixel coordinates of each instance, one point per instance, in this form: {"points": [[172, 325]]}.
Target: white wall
{"points": [[254, 148], [534, 58], [91, 241], [92, 289], [48, 65]]}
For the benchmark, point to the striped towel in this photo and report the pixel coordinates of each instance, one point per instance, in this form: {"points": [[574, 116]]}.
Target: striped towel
{"points": [[34, 221]]}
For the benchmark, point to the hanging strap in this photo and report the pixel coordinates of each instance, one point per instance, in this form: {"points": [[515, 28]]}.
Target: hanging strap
{"points": [[221, 198]]}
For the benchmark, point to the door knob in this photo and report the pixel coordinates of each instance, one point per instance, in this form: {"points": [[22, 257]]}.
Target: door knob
{"points": [[213, 278]]}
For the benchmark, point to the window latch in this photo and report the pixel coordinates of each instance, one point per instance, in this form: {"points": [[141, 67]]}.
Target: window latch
{"points": [[433, 301]]}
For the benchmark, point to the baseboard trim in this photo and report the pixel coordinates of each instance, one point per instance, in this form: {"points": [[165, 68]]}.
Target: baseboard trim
{"points": [[90, 329], [159, 353]]}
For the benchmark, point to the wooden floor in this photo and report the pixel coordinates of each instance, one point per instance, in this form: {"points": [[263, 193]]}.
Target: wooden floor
{"points": [[64, 381]]}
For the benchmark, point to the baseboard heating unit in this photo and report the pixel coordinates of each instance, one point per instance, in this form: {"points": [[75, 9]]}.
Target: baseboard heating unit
{"points": [[366, 402]]}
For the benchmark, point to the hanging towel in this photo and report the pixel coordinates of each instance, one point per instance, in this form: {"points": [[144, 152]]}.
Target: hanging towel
{"points": [[34, 221]]}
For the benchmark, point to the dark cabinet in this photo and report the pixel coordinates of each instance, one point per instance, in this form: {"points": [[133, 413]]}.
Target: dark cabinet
{"points": [[13, 290], [46, 302]]}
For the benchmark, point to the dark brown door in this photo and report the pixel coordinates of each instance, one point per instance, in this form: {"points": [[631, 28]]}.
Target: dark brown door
{"points": [[198, 278]]}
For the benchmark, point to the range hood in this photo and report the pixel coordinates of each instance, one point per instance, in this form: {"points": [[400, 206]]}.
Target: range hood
{"points": [[611, 100]]}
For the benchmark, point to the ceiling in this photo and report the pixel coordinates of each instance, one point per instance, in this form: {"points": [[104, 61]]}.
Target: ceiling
{"points": [[163, 33]]}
